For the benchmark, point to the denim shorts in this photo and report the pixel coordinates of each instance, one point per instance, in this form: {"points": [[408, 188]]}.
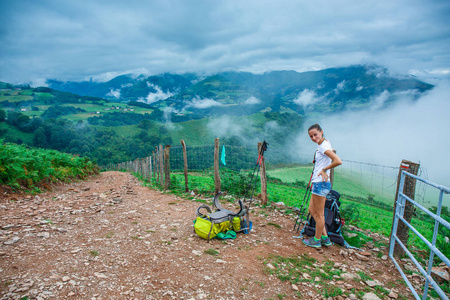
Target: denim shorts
{"points": [[321, 188]]}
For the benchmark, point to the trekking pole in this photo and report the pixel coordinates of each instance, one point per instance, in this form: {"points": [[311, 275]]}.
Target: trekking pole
{"points": [[301, 213]]}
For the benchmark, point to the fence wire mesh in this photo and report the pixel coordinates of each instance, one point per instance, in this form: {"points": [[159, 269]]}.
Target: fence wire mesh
{"points": [[200, 158], [364, 182]]}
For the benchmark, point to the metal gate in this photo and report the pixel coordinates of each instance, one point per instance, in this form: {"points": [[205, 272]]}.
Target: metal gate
{"points": [[399, 211]]}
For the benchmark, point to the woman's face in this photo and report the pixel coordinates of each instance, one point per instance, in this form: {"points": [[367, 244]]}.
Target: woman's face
{"points": [[315, 135]]}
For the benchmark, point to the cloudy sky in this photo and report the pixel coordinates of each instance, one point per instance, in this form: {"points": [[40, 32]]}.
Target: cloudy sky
{"points": [[78, 40]]}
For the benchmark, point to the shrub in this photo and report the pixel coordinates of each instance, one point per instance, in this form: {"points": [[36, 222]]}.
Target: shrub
{"points": [[350, 213], [236, 183], [21, 166]]}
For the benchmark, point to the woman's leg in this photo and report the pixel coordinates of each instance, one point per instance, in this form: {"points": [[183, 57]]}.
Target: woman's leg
{"points": [[317, 210]]}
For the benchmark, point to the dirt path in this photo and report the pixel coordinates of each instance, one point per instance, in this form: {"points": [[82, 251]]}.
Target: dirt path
{"points": [[110, 238]]}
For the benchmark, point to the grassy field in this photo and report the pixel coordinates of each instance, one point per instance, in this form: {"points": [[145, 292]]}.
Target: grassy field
{"points": [[33, 113], [376, 184], [78, 117], [24, 95], [12, 133], [16, 95], [184, 131], [41, 97], [202, 129], [91, 107], [345, 182], [290, 175]]}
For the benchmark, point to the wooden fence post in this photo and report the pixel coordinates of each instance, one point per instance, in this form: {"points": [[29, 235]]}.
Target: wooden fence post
{"points": [[216, 166], [186, 188], [136, 165], [157, 163], [161, 165], [262, 170], [167, 166], [409, 190], [150, 171], [146, 164], [153, 164]]}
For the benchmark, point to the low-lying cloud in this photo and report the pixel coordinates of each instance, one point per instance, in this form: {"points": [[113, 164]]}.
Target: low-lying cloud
{"points": [[227, 126], [158, 95], [114, 93], [340, 86], [167, 113], [224, 126], [252, 100], [203, 103], [307, 98], [381, 100]]}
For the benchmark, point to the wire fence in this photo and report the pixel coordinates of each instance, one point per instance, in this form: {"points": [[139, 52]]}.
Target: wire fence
{"points": [[378, 185], [363, 182], [200, 158]]}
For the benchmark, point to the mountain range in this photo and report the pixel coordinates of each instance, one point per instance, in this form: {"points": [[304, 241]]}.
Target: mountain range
{"points": [[331, 90], [240, 108]]}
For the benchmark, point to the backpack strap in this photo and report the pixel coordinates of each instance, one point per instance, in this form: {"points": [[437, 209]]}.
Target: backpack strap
{"points": [[208, 209]]}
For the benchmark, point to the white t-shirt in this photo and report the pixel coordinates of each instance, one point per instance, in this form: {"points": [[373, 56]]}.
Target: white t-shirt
{"points": [[322, 161]]}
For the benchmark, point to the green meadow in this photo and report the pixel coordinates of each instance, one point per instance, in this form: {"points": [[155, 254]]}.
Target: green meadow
{"points": [[9, 131], [16, 95], [346, 183]]}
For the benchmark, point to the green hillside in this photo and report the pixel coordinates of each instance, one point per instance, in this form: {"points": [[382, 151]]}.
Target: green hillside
{"points": [[16, 95], [34, 102], [11, 133], [32, 168], [204, 128], [183, 131], [112, 135], [218, 88]]}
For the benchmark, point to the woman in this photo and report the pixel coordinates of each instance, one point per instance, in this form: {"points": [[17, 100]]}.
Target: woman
{"points": [[325, 160]]}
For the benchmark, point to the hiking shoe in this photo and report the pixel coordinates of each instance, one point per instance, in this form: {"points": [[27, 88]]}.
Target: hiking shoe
{"points": [[326, 242], [311, 242]]}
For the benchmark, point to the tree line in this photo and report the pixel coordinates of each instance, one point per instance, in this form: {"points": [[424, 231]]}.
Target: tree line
{"points": [[102, 145]]}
